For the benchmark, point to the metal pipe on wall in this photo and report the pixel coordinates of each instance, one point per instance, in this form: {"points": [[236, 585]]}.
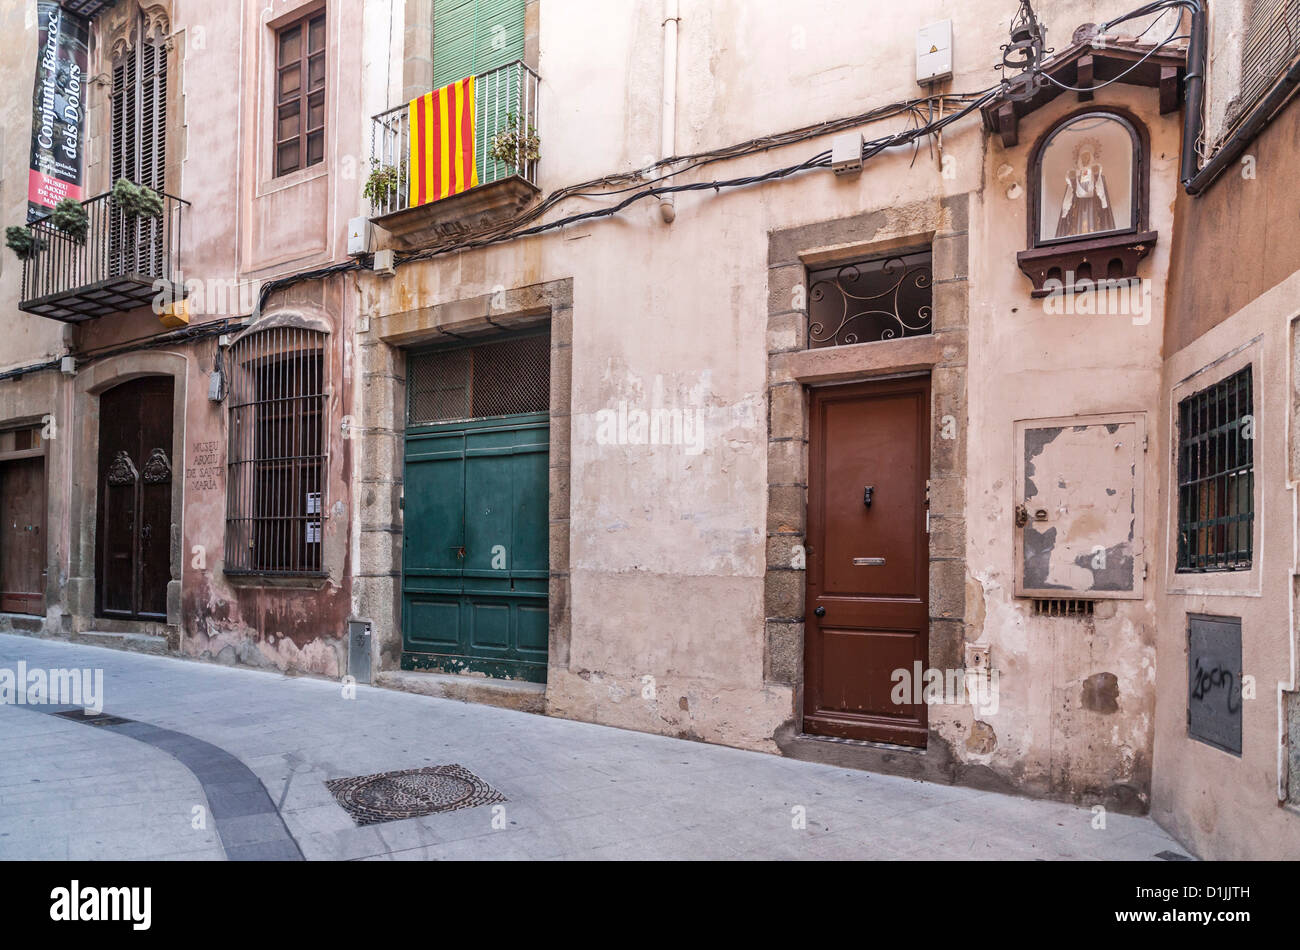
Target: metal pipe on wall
{"points": [[668, 135]]}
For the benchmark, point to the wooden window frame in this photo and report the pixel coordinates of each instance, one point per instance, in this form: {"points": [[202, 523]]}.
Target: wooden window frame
{"points": [[300, 98]]}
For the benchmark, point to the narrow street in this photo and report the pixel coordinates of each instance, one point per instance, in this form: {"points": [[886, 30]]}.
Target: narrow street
{"points": [[245, 756]]}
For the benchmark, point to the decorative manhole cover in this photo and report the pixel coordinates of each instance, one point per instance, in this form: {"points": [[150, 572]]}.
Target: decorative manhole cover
{"points": [[392, 796]]}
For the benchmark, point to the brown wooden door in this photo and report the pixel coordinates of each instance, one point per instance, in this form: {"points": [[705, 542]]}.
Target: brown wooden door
{"points": [[868, 566], [133, 564], [22, 536]]}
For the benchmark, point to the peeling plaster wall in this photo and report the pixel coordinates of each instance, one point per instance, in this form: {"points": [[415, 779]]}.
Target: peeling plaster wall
{"points": [[241, 226], [1234, 282], [1228, 807], [1076, 717], [668, 547]]}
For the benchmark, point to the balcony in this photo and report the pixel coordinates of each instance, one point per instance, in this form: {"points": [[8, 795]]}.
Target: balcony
{"points": [[116, 267], [505, 102]]}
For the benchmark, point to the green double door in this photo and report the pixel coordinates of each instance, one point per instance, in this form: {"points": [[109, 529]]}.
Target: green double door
{"points": [[475, 569]]}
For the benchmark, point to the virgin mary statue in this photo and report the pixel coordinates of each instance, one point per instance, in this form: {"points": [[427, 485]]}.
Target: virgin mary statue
{"points": [[1086, 207]]}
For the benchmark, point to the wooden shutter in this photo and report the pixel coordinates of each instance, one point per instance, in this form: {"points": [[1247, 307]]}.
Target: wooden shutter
{"points": [[1272, 41], [139, 139], [125, 83], [472, 37], [153, 115]]}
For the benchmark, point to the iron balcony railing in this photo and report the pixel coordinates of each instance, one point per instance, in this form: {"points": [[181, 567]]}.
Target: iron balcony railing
{"points": [[505, 100], [114, 268]]}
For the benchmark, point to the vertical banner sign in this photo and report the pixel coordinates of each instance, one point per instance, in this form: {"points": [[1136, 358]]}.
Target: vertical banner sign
{"points": [[58, 109]]}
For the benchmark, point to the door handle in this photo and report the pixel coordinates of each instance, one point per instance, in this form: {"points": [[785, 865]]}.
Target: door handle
{"points": [[867, 493], [820, 611], [146, 532]]}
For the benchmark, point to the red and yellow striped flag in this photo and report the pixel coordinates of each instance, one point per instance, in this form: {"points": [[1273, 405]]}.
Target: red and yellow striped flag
{"points": [[442, 143]]}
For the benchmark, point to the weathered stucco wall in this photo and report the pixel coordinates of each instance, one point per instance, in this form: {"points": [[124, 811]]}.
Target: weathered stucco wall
{"points": [[1226, 806], [668, 545], [664, 555]]}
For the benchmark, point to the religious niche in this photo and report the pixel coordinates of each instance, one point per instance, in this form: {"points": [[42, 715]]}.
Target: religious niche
{"points": [[1088, 203]]}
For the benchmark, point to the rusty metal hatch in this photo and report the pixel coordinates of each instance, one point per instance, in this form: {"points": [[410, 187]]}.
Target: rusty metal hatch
{"points": [[1078, 513], [505, 378], [1214, 681]]}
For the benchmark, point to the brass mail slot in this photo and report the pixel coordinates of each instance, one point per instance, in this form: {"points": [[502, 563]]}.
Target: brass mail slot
{"points": [[868, 562]]}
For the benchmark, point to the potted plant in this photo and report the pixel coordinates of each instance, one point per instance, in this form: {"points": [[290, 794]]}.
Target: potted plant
{"points": [[383, 183], [516, 146], [136, 200], [70, 217], [22, 240]]}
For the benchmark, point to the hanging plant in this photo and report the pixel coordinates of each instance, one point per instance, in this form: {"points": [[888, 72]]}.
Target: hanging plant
{"points": [[23, 241], [383, 183], [514, 146], [70, 217], [137, 200]]}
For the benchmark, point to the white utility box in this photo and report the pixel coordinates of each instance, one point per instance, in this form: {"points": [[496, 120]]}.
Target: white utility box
{"points": [[359, 236], [934, 52]]}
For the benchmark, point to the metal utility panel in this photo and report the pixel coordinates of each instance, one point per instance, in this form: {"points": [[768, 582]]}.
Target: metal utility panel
{"points": [[359, 633], [1078, 507], [1214, 681], [934, 52]]}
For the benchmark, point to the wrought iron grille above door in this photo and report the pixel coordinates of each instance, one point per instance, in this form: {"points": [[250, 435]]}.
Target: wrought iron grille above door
{"points": [[867, 301], [505, 378]]}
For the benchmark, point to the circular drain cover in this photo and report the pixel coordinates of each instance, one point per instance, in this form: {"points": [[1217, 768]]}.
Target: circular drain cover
{"points": [[392, 796]]}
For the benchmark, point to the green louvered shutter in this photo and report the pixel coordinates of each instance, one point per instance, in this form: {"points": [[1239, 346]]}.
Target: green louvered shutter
{"points": [[472, 37]]}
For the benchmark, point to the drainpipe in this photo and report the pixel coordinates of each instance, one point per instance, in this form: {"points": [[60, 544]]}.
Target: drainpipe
{"points": [[1193, 108], [668, 139]]}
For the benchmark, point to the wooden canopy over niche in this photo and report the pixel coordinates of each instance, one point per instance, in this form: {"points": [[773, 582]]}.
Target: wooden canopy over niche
{"points": [[1090, 61]]}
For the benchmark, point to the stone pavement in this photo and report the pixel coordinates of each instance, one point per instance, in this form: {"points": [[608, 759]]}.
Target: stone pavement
{"points": [[199, 733]]}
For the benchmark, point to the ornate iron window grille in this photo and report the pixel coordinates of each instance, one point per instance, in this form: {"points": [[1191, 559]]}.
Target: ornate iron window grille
{"points": [[1216, 477], [870, 301]]}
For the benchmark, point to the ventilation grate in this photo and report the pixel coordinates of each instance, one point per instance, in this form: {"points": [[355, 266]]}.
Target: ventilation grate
{"points": [[1063, 608], [507, 378]]}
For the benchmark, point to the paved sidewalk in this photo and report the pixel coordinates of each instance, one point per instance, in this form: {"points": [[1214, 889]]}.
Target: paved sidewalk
{"points": [[70, 790]]}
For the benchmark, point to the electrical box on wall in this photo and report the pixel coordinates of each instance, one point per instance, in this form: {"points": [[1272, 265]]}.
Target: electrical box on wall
{"points": [[359, 236], [934, 52], [846, 153]]}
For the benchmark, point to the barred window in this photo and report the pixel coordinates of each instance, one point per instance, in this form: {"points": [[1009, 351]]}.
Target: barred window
{"points": [[275, 490], [1216, 476]]}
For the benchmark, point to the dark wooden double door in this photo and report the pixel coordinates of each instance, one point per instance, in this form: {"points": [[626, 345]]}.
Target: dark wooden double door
{"points": [[22, 536], [133, 556], [867, 614]]}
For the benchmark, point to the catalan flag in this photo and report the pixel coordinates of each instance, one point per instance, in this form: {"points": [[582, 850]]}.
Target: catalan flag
{"points": [[442, 143]]}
